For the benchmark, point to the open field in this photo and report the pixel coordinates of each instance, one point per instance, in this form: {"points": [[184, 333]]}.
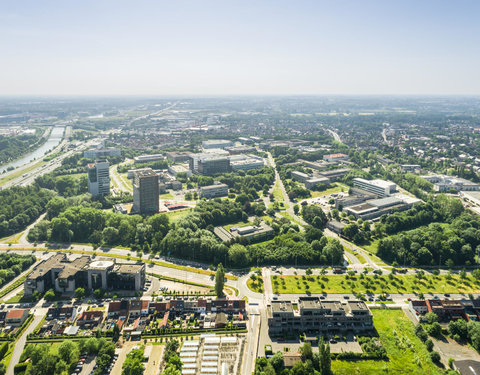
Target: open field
{"points": [[174, 216], [406, 353], [374, 284], [336, 189]]}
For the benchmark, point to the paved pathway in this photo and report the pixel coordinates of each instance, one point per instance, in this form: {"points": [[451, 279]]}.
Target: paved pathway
{"points": [[39, 313]]}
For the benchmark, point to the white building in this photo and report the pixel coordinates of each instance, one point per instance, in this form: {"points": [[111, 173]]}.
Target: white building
{"points": [[148, 158], [443, 183], [380, 187], [99, 178], [217, 143]]}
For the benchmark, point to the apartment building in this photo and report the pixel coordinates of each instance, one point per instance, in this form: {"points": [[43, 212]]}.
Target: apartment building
{"points": [[315, 315]]}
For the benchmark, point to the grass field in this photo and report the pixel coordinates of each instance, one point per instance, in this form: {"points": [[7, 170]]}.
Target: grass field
{"points": [[406, 353], [338, 188], [374, 284], [174, 216], [240, 224], [257, 285], [166, 196], [277, 194]]}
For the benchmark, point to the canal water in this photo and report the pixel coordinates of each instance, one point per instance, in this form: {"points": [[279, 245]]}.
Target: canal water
{"points": [[53, 140]]}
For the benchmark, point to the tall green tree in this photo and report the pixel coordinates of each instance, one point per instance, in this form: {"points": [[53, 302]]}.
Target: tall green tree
{"points": [[219, 280]]}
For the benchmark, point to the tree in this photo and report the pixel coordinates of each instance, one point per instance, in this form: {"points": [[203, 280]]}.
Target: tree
{"points": [[219, 280], [308, 271], [98, 293], [49, 295], [296, 209], [306, 350], [68, 351], [79, 293], [237, 254], [277, 362], [429, 345], [133, 363]]}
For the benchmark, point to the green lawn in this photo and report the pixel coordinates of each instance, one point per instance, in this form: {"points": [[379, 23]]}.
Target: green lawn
{"points": [[374, 284], [289, 217], [257, 285], [174, 216], [240, 224], [166, 196], [406, 353], [338, 188], [356, 254]]}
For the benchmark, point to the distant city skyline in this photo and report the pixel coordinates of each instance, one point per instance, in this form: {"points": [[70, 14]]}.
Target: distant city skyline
{"points": [[239, 48]]}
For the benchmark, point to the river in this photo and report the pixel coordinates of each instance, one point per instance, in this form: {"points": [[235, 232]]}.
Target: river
{"points": [[53, 140]]}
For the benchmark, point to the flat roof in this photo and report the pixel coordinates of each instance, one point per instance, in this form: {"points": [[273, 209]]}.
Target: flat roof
{"points": [[101, 264], [45, 266], [379, 183], [74, 266], [281, 306], [128, 268]]}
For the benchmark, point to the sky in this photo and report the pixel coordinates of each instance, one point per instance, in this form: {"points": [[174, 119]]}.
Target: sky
{"points": [[203, 47]]}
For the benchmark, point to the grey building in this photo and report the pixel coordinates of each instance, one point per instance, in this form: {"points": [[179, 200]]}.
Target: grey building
{"points": [[99, 178], [64, 276], [213, 191], [209, 164], [315, 315], [145, 191]]}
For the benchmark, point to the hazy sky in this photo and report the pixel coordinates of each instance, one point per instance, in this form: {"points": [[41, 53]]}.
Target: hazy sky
{"points": [[239, 47]]}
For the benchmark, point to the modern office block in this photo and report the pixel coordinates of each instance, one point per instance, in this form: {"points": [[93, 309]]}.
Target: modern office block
{"points": [[99, 178], [145, 191]]}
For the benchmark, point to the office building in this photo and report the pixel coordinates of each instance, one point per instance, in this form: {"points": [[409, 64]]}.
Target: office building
{"points": [[335, 174], [309, 181], [335, 158], [316, 315], [374, 208], [445, 184], [213, 191], [99, 178], [100, 151], [64, 275], [217, 143], [178, 156], [245, 162], [145, 191], [209, 164], [380, 187], [148, 158]]}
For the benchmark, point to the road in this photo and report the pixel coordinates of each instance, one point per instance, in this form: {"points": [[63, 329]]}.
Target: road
{"points": [[334, 135], [39, 313], [251, 347]]}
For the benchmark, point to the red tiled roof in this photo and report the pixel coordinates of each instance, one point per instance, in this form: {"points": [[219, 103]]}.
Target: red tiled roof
{"points": [[15, 314]]}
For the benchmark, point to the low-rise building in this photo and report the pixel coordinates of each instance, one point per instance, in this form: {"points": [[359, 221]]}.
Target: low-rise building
{"points": [[64, 276], [251, 232], [16, 317], [444, 184], [334, 158], [315, 315], [148, 158], [213, 191], [178, 156], [217, 143]]}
